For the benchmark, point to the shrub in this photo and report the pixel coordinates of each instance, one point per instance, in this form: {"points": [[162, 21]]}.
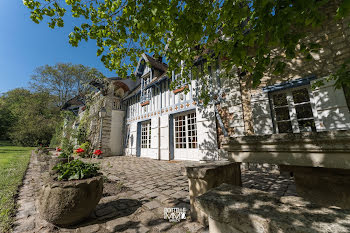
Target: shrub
{"points": [[64, 155], [76, 170]]}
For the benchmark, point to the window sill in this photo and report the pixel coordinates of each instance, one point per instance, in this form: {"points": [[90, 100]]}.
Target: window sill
{"points": [[179, 89], [145, 103]]}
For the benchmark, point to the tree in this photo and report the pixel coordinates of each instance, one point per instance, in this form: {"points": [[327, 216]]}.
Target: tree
{"points": [[6, 120], [34, 116], [241, 31], [64, 80]]}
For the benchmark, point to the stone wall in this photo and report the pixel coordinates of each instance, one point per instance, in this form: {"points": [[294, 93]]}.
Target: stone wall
{"points": [[333, 37]]}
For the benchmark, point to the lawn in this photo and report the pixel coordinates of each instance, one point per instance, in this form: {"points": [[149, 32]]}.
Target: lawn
{"points": [[13, 163]]}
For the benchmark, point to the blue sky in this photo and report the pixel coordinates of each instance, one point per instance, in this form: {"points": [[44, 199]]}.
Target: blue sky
{"points": [[25, 45]]}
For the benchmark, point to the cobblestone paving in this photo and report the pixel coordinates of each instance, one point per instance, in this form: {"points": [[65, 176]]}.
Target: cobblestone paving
{"points": [[148, 186]]}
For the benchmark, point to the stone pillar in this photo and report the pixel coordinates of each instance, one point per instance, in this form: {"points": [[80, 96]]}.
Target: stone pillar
{"points": [[323, 186], [202, 178]]}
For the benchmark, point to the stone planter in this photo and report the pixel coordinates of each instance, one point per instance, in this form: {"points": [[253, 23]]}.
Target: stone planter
{"points": [[65, 203]]}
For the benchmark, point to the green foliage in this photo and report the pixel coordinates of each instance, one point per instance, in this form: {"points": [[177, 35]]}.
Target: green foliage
{"points": [[243, 32], [341, 77], [67, 147], [57, 137], [32, 117], [13, 164], [68, 131], [7, 119], [76, 170], [64, 155], [64, 80], [82, 131]]}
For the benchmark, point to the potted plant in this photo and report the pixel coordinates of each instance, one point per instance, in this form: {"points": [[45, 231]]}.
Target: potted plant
{"points": [[63, 155], [72, 194], [62, 158]]}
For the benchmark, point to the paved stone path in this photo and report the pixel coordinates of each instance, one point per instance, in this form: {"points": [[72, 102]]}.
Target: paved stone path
{"points": [[145, 187]]}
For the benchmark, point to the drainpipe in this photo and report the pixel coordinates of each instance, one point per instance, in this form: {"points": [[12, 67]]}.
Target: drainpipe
{"points": [[159, 108], [101, 114], [158, 138], [100, 136]]}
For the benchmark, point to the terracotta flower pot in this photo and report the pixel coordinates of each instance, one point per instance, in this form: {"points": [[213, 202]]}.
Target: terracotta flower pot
{"points": [[65, 203]]}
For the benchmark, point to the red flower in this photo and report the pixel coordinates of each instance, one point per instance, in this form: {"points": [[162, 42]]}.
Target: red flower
{"points": [[58, 149], [80, 150], [97, 152]]}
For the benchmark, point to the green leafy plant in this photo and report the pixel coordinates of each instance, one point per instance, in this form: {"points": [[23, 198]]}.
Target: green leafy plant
{"points": [[76, 170], [64, 155]]}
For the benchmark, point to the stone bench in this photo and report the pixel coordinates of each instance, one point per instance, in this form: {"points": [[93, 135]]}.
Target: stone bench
{"points": [[232, 209], [319, 161], [202, 178]]}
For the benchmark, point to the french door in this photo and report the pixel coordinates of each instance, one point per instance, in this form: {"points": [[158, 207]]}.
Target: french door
{"points": [[185, 136], [145, 138]]}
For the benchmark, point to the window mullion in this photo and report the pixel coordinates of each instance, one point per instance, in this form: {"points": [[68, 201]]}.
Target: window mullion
{"points": [[274, 115], [292, 113], [314, 110]]}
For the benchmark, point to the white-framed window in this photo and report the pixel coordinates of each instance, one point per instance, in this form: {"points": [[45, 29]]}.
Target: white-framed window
{"points": [[185, 131], [146, 134], [146, 95], [294, 110]]}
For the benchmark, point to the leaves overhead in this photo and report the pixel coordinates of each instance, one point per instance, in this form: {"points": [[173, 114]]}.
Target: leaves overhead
{"points": [[241, 31]]}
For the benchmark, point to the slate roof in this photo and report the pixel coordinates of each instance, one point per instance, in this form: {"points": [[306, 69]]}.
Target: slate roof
{"points": [[154, 63]]}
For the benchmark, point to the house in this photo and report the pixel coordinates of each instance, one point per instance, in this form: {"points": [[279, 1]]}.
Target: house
{"points": [[145, 118]]}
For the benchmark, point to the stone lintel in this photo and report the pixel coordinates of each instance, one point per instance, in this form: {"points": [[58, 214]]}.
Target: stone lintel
{"points": [[236, 209]]}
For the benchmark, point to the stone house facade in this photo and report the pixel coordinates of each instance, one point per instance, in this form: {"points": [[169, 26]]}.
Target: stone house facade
{"points": [[144, 118]]}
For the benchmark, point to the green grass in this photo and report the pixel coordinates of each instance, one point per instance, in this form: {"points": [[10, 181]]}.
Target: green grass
{"points": [[13, 163]]}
